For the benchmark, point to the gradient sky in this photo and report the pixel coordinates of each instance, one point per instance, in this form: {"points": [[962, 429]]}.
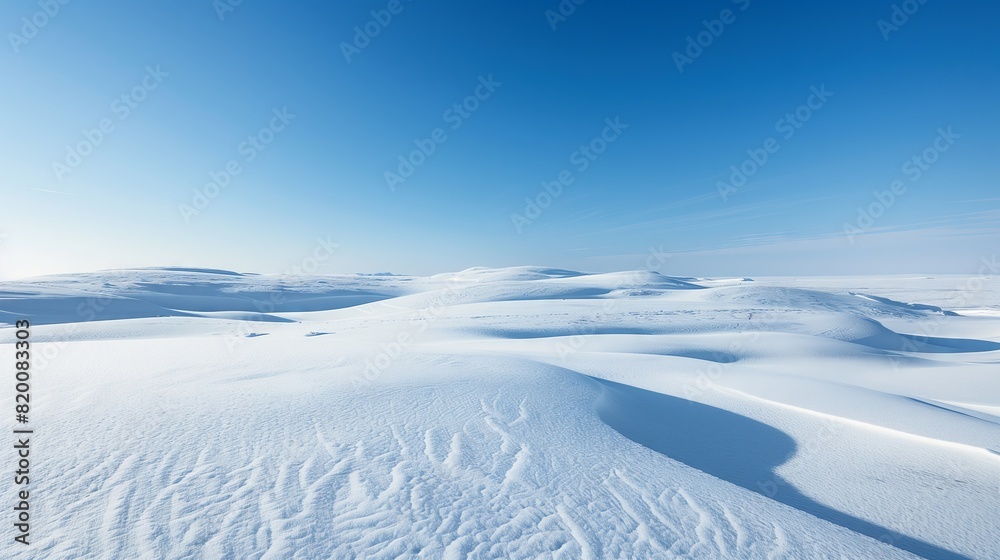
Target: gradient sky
{"points": [[655, 186]]}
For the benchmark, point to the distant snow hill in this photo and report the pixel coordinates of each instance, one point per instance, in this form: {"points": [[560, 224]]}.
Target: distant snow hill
{"points": [[521, 412]]}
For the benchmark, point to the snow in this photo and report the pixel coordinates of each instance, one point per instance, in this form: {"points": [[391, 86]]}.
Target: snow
{"points": [[519, 413]]}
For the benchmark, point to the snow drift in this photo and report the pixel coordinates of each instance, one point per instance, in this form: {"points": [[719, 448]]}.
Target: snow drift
{"points": [[520, 413]]}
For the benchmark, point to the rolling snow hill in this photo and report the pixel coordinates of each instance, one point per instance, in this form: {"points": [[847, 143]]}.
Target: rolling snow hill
{"points": [[509, 413]]}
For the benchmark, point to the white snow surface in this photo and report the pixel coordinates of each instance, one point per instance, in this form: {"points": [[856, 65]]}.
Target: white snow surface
{"points": [[507, 413]]}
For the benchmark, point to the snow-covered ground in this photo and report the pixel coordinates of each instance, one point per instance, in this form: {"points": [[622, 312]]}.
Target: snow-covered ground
{"points": [[508, 413]]}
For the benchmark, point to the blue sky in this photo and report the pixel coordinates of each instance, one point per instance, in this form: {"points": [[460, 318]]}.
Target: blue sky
{"points": [[204, 85]]}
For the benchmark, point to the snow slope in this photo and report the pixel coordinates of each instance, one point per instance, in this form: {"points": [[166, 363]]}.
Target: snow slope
{"points": [[509, 413]]}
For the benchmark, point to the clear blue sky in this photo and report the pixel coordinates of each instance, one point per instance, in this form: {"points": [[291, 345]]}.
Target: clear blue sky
{"points": [[659, 183]]}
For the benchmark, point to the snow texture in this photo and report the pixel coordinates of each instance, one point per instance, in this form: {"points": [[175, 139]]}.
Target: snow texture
{"points": [[508, 413]]}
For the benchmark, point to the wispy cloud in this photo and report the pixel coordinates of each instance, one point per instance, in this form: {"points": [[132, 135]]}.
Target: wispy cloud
{"points": [[47, 190]]}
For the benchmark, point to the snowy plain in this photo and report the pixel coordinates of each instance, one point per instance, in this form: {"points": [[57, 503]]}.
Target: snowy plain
{"points": [[509, 413]]}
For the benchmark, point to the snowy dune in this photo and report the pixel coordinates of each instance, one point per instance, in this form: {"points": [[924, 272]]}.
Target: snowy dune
{"points": [[510, 413]]}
